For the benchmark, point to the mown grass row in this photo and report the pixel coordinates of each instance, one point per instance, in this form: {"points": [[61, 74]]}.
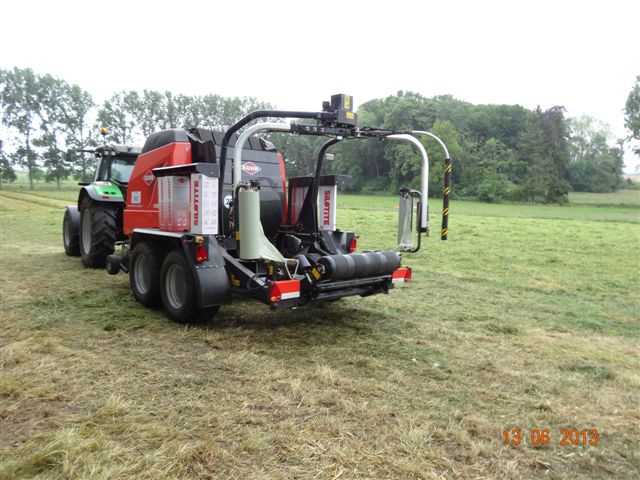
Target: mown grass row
{"points": [[516, 321]]}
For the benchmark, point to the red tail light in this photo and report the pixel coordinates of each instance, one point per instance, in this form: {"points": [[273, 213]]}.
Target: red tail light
{"points": [[353, 244], [401, 275], [201, 254], [284, 290]]}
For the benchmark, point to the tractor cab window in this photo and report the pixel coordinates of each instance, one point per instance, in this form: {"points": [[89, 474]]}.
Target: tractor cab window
{"points": [[121, 169], [102, 171]]}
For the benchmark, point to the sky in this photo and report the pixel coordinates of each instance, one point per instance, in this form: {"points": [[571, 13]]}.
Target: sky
{"points": [[583, 55]]}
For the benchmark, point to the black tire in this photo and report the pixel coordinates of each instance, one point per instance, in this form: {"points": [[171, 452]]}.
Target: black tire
{"points": [[97, 233], [178, 290], [70, 239], [144, 274]]}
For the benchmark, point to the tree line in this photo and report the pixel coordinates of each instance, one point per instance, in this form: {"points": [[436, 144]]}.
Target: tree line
{"points": [[50, 121], [499, 152]]}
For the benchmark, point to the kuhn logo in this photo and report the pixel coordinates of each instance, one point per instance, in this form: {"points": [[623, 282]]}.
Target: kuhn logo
{"points": [[148, 177], [251, 168]]}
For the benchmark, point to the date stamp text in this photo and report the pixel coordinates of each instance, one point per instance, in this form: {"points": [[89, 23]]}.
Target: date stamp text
{"points": [[544, 437]]}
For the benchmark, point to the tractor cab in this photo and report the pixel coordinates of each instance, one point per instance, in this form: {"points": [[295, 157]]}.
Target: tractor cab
{"points": [[115, 164]]}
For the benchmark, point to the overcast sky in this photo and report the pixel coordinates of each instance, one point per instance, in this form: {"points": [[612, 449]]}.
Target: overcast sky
{"points": [[583, 55]]}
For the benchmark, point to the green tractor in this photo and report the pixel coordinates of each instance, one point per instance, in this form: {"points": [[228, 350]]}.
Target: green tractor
{"points": [[92, 227]]}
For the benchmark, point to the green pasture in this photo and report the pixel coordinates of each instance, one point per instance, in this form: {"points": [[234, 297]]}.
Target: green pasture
{"points": [[527, 317]]}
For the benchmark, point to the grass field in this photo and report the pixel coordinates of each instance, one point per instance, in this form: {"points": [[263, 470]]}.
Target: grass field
{"points": [[528, 317], [627, 197]]}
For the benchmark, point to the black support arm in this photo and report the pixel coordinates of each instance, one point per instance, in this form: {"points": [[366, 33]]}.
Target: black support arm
{"points": [[309, 211], [321, 116]]}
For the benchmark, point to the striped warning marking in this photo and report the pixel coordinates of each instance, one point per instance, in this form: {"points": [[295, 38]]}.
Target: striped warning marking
{"points": [[445, 211], [447, 190], [445, 232], [447, 169]]}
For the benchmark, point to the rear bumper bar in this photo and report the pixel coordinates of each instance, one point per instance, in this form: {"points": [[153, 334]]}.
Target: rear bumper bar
{"points": [[372, 284], [332, 290]]}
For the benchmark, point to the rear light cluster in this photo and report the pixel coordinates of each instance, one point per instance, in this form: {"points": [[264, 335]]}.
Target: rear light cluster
{"points": [[401, 275], [201, 254], [284, 290], [353, 245]]}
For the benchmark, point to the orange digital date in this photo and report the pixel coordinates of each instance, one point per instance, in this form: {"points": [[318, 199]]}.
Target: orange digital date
{"points": [[537, 436]]}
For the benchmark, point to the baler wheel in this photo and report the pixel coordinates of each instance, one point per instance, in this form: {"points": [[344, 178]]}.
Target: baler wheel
{"points": [[144, 274], [178, 290], [97, 233], [70, 239]]}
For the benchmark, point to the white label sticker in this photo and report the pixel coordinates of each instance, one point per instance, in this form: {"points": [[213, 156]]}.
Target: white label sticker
{"points": [[327, 204], [136, 197], [204, 204]]}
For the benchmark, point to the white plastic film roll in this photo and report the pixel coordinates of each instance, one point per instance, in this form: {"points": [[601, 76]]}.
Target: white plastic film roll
{"points": [[253, 243]]}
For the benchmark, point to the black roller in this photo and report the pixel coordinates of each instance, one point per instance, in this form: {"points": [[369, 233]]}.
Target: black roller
{"points": [[359, 265], [338, 267]]}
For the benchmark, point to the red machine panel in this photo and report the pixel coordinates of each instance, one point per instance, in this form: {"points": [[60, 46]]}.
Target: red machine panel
{"points": [[142, 194]]}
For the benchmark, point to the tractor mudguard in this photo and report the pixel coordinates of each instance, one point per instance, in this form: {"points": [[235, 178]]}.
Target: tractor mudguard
{"points": [[211, 277], [101, 192]]}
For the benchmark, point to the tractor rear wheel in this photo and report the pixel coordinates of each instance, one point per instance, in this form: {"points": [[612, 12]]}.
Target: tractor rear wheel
{"points": [[178, 290], [97, 233], [144, 274], [70, 238]]}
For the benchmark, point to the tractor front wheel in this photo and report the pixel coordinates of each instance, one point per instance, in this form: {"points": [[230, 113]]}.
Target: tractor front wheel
{"points": [[70, 236], [178, 290], [97, 233]]}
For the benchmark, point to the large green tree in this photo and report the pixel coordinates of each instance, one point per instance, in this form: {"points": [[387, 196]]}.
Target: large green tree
{"points": [[20, 111], [120, 114], [151, 112], [7, 173], [556, 163], [48, 117], [51, 96], [543, 148], [595, 166], [300, 153], [78, 134], [130, 116]]}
